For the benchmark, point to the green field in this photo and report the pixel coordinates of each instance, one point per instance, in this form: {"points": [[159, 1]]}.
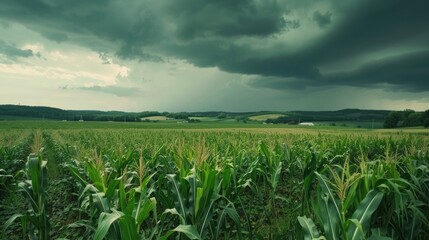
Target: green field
{"points": [[265, 117], [156, 118], [212, 180]]}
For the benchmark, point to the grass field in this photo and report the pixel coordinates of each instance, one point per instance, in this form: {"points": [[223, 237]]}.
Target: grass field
{"points": [[265, 117], [156, 118], [212, 180]]}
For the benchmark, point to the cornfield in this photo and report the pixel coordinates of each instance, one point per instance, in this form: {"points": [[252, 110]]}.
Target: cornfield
{"points": [[218, 184]]}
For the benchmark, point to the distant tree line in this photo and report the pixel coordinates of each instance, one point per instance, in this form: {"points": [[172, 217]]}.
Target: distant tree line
{"points": [[33, 112], [184, 116], [289, 120], [281, 120], [70, 115], [407, 118]]}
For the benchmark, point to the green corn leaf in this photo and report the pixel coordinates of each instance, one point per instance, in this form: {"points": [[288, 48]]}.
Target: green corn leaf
{"points": [[88, 190], [207, 193], [329, 209], [325, 188], [28, 194], [127, 227], [331, 222], [226, 178], [363, 214], [82, 223], [174, 212], [232, 214], [358, 225], [188, 230], [95, 175], [75, 172], [130, 204], [220, 222], [208, 213], [263, 148], [144, 211], [11, 220], [111, 188], [378, 234], [122, 195], [199, 201], [276, 176], [166, 235], [206, 219], [105, 221], [309, 228], [143, 207], [146, 181], [101, 202], [193, 201], [180, 205], [351, 196], [44, 176], [33, 172], [287, 157]]}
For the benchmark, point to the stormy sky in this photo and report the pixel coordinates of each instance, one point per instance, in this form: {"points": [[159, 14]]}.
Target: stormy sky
{"points": [[200, 55]]}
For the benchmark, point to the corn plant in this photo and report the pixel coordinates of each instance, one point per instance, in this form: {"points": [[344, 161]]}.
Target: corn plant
{"points": [[134, 208], [35, 222], [116, 206], [312, 162], [332, 216], [202, 211], [12, 160]]}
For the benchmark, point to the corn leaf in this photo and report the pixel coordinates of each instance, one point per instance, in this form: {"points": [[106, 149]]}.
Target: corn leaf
{"points": [[309, 228], [180, 205], [363, 214], [105, 221], [188, 230], [330, 209]]}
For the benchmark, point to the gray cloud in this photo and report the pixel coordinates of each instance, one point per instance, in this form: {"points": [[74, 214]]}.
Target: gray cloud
{"points": [[322, 19], [115, 90], [127, 25], [13, 52], [225, 18], [229, 34], [406, 72], [104, 58], [368, 27]]}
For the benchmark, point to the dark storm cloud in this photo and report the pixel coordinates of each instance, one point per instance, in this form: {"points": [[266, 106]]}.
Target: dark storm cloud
{"points": [[129, 25], [373, 26], [11, 51], [322, 19], [230, 34], [368, 27], [226, 18], [407, 72], [241, 59]]}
